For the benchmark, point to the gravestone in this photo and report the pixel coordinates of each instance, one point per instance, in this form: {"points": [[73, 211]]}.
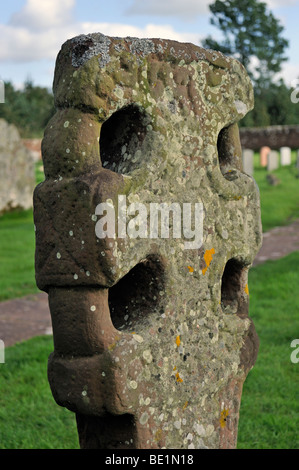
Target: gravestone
{"points": [[34, 146], [273, 160], [152, 338], [285, 156], [247, 157], [264, 152], [17, 175]]}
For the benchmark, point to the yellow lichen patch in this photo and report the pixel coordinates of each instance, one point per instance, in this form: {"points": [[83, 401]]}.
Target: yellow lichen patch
{"points": [[185, 405], [190, 269], [246, 289], [178, 378], [178, 341], [208, 256], [158, 435], [112, 345], [223, 416]]}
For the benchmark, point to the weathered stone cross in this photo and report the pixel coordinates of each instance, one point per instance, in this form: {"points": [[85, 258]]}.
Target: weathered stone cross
{"points": [[152, 336]]}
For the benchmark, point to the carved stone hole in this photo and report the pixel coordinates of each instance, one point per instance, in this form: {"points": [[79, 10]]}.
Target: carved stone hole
{"points": [[137, 295]]}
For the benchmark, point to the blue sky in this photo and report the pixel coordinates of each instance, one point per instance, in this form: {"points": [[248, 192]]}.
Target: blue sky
{"points": [[32, 31]]}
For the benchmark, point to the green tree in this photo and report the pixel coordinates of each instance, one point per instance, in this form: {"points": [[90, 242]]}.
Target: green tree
{"points": [[29, 109], [273, 106], [251, 33]]}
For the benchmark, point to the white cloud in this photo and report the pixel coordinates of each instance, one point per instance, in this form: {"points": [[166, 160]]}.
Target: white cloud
{"points": [[39, 29], [19, 44], [149, 31], [184, 9], [289, 73], [281, 3], [38, 15]]}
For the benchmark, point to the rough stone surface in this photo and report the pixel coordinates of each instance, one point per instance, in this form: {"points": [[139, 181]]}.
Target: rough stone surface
{"points": [[17, 177], [152, 340]]}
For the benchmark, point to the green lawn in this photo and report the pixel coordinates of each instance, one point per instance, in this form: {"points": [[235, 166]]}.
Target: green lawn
{"points": [[29, 416], [17, 255], [269, 416], [279, 204], [17, 244]]}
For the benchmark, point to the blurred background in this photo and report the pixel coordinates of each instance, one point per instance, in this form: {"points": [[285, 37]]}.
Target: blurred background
{"points": [[263, 36]]}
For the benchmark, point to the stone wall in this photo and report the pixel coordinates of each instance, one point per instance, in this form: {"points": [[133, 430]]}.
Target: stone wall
{"points": [[274, 137], [17, 175]]}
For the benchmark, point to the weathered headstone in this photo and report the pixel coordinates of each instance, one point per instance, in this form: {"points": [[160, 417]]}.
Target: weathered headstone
{"points": [[264, 152], [273, 160], [17, 176], [34, 146], [152, 339], [247, 157], [285, 156]]}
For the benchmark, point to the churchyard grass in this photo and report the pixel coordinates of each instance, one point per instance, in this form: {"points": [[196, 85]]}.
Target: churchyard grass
{"points": [[17, 251], [279, 204], [17, 255], [29, 416], [39, 172], [269, 415]]}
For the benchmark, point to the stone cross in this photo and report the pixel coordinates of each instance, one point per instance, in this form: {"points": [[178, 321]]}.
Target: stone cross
{"points": [[152, 339]]}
